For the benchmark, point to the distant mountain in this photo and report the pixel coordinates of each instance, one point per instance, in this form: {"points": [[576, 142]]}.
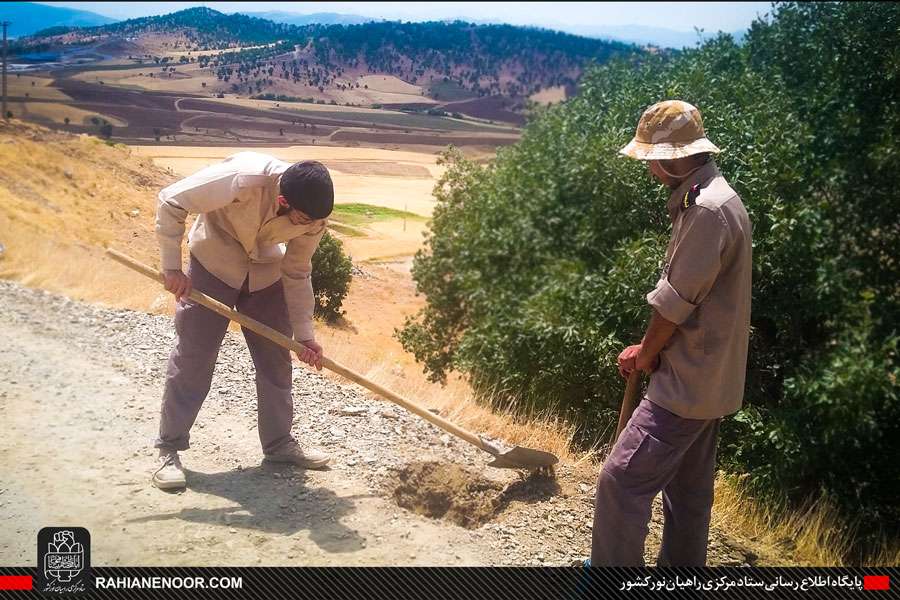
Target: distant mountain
{"points": [[489, 72], [452, 60], [639, 34], [204, 26], [311, 19], [28, 17]]}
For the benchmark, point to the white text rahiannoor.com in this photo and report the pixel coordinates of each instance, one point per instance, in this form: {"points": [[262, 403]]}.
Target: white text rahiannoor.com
{"points": [[169, 583]]}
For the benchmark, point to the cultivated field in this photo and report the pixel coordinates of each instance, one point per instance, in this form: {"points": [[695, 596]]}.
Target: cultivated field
{"points": [[392, 179], [57, 112], [176, 107], [191, 77], [150, 77], [37, 88]]}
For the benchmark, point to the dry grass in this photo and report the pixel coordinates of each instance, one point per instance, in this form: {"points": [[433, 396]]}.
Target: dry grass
{"points": [[36, 261], [815, 534], [455, 401], [57, 112], [551, 95], [62, 199], [40, 90], [360, 175], [389, 84]]}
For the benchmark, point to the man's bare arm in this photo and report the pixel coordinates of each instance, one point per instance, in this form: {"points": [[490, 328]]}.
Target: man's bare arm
{"points": [[658, 334], [645, 356]]}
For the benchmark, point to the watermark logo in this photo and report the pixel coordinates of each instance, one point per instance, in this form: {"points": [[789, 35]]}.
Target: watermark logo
{"points": [[64, 560]]}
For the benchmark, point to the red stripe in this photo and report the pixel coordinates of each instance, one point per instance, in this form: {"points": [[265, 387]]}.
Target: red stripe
{"points": [[15, 582], [876, 582]]}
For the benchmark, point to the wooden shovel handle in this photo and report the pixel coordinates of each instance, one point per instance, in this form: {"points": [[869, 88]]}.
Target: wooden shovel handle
{"points": [[629, 401], [286, 342]]}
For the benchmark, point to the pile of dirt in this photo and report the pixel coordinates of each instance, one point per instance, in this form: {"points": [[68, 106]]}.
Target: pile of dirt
{"points": [[450, 492], [447, 491]]}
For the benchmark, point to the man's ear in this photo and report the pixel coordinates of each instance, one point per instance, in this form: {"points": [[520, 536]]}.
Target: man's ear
{"points": [[282, 201]]}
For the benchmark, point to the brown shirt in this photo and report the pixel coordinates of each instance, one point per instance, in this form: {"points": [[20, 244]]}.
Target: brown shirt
{"points": [[704, 289], [238, 234]]}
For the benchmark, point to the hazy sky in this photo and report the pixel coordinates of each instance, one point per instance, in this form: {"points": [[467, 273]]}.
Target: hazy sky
{"points": [[683, 16]]}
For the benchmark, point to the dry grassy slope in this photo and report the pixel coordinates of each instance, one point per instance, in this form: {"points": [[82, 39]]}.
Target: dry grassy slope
{"points": [[65, 198]]}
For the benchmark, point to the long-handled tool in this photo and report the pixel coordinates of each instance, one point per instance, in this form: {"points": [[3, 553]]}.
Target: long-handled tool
{"points": [[629, 403], [516, 457]]}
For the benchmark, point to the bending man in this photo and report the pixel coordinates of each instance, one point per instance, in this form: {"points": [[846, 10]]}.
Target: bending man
{"points": [[248, 205]]}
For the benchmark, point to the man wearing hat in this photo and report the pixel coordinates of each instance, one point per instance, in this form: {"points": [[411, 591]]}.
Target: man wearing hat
{"points": [[695, 349], [248, 205]]}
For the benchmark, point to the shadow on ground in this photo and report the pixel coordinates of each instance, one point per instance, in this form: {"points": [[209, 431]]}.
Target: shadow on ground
{"points": [[269, 506]]}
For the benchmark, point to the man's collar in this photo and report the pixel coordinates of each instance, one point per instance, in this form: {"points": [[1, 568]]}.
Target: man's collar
{"points": [[700, 176]]}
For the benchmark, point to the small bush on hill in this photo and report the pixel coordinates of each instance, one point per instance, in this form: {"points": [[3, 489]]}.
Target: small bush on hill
{"points": [[331, 275]]}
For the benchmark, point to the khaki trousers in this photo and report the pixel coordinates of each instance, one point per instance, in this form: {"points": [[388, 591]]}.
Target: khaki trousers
{"points": [[192, 361], [657, 451]]}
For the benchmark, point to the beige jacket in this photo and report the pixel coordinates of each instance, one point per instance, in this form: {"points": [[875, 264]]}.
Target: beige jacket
{"points": [[238, 234], [704, 289]]}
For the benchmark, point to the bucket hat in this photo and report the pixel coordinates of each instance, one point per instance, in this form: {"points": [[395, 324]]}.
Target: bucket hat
{"points": [[667, 130]]}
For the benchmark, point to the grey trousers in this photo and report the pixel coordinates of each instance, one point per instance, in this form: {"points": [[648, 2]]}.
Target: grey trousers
{"points": [[657, 451], [192, 361]]}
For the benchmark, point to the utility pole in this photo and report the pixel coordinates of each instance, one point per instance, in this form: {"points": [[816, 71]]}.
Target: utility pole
{"points": [[5, 113]]}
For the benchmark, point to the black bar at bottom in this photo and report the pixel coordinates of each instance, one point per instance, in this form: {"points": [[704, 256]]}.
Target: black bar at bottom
{"points": [[466, 583]]}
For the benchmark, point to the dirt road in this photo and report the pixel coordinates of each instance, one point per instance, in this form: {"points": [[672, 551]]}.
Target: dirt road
{"points": [[80, 387]]}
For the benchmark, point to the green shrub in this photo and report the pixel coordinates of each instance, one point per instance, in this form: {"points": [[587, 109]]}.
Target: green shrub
{"points": [[331, 275], [536, 266], [851, 104], [834, 431]]}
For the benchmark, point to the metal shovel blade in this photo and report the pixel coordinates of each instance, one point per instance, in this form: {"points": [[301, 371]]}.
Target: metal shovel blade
{"points": [[518, 457]]}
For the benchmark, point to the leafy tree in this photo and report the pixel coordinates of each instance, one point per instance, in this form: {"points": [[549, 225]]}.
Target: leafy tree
{"points": [[331, 276], [851, 104], [536, 266]]}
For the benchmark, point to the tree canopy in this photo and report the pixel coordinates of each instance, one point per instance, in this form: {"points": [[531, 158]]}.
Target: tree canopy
{"points": [[537, 265]]}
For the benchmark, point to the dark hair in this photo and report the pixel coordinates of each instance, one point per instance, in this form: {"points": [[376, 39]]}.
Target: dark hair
{"points": [[307, 187]]}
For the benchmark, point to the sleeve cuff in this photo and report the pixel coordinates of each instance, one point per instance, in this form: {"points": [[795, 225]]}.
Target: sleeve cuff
{"points": [[669, 303], [298, 295], [170, 254], [304, 331]]}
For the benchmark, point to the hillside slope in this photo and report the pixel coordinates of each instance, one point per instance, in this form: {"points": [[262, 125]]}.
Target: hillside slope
{"points": [[455, 60], [66, 196], [89, 379]]}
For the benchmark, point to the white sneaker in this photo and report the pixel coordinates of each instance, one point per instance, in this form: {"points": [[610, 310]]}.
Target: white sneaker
{"points": [[170, 474], [293, 453]]}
